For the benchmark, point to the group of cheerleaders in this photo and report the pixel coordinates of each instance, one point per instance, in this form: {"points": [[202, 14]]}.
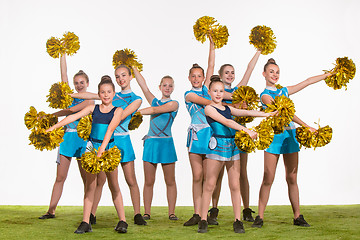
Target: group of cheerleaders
{"points": [[210, 143]]}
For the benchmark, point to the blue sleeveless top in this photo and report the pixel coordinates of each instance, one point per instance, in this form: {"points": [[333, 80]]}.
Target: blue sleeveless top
{"points": [[219, 129], [100, 124], [196, 111], [74, 124]]}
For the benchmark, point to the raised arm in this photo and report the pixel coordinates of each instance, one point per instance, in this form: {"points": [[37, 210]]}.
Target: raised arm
{"points": [[111, 128], [71, 118], [63, 69], [192, 97], [211, 63], [244, 81], [131, 108], [142, 83], [167, 107], [295, 88], [86, 95], [74, 109]]}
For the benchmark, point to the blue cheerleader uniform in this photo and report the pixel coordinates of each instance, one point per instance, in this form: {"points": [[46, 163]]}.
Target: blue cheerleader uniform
{"points": [[199, 131], [73, 145], [284, 142], [99, 127], [222, 144], [158, 143], [121, 134]]}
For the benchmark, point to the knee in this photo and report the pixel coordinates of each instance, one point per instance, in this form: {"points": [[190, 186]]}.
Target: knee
{"points": [[131, 181], [170, 182], [198, 177], [234, 186], [268, 179], [60, 178], [291, 179], [149, 182]]}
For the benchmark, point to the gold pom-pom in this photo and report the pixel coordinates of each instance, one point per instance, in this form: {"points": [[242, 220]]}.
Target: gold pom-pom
{"points": [[206, 26], [278, 86], [71, 43], [304, 136], [344, 71], [84, 127], [54, 47], [40, 120], [31, 118], [111, 159], [245, 94], [244, 142], [59, 96], [135, 121], [262, 37], [128, 58], [265, 135], [286, 111], [46, 140], [321, 137], [90, 162]]}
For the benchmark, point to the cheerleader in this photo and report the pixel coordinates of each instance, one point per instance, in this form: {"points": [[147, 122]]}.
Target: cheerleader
{"points": [[284, 143], [130, 102], [227, 75], [106, 118], [73, 145], [158, 143], [223, 151]]}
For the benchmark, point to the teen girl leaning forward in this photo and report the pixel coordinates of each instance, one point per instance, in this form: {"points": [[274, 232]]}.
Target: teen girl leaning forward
{"points": [[223, 151], [227, 75], [284, 143], [130, 102], [106, 118], [73, 145], [158, 143]]}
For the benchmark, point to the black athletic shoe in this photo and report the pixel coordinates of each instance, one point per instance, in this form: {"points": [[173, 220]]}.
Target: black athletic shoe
{"points": [[92, 219], [139, 220], [146, 216], [212, 218], [173, 217], [300, 221], [238, 226], [195, 219], [258, 223], [203, 225], [121, 227], [47, 216], [83, 228], [247, 215]]}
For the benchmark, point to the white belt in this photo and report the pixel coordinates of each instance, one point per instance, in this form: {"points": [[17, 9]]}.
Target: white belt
{"points": [[147, 137], [70, 130], [121, 133], [194, 128]]}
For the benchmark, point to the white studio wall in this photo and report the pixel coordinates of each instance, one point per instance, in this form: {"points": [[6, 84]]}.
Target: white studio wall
{"points": [[310, 36]]}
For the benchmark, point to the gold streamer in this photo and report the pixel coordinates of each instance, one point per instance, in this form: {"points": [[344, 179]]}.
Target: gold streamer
{"points": [[206, 26], [46, 140], [59, 96], [244, 142], [111, 159], [108, 161], [344, 70], [265, 135], [135, 121], [54, 47], [304, 136], [90, 162], [286, 111], [40, 120], [322, 137], [262, 37], [84, 127], [128, 58], [71, 43], [245, 94]]}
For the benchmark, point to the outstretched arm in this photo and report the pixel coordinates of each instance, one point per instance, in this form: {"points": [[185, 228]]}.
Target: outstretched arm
{"points": [[244, 81], [192, 97], [74, 109], [86, 95], [211, 63], [301, 123], [167, 107], [250, 113], [131, 108], [71, 118], [142, 83], [111, 128], [63, 69], [307, 82]]}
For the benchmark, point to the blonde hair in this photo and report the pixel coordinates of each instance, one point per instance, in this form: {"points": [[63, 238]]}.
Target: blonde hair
{"points": [[81, 73]]}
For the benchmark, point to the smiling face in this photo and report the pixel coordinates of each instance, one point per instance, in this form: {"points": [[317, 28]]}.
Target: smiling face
{"points": [[166, 87], [196, 77], [80, 83], [123, 78], [216, 92], [106, 93], [227, 75], [271, 74]]}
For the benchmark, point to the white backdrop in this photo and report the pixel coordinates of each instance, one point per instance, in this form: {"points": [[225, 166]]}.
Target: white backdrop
{"points": [[310, 36]]}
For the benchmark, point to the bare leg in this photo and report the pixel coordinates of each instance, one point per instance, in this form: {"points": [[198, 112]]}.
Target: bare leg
{"points": [[171, 191], [216, 194], [149, 173], [100, 181], [291, 168], [233, 170], [89, 195], [116, 193], [130, 177], [270, 163], [82, 171], [196, 162], [244, 182]]}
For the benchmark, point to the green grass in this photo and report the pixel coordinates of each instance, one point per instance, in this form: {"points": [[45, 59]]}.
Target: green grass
{"points": [[327, 222]]}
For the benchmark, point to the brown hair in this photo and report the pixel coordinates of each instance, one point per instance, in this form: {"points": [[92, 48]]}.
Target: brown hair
{"points": [[81, 73], [269, 62], [167, 76], [195, 66], [221, 70], [215, 79], [106, 79], [123, 66]]}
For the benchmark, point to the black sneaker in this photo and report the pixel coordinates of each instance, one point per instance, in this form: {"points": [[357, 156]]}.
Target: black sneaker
{"points": [[139, 220], [247, 215], [92, 219], [84, 227], [121, 227], [258, 223], [146, 216], [300, 221], [212, 218], [47, 216], [195, 219], [238, 226], [203, 225]]}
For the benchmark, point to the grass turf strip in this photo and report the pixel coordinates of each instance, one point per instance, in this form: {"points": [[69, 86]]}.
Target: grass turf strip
{"points": [[327, 222]]}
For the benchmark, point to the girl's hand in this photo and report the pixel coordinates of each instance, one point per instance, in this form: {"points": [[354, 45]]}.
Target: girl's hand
{"points": [[252, 134], [100, 152], [50, 129], [272, 114], [244, 105], [313, 130]]}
